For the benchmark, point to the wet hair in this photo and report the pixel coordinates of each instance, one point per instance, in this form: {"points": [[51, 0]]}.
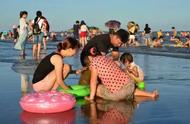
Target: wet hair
{"points": [[68, 42], [38, 13], [126, 56], [92, 51], [23, 13]]}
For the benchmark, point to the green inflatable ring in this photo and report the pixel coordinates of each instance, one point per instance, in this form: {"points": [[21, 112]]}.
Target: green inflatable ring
{"points": [[141, 85], [77, 90]]}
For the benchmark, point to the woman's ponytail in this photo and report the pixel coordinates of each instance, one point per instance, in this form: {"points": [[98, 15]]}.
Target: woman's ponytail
{"points": [[69, 42]]}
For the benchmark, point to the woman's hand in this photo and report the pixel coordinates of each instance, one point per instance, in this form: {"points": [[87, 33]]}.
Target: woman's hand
{"points": [[81, 70], [66, 87]]}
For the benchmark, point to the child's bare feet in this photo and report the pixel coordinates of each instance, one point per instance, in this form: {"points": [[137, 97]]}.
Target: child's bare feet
{"points": [[155, 93]]}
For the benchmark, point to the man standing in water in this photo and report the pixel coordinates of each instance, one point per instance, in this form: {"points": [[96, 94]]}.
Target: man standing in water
{"points": [[105, 43], [76, 28], [38, 34]]}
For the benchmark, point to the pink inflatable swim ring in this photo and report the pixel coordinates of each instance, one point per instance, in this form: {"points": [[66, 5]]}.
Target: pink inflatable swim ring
{"points": [[48, 102]]}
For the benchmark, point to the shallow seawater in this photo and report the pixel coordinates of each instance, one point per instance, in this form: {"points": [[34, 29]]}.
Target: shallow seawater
{"points": [[169, 75]]}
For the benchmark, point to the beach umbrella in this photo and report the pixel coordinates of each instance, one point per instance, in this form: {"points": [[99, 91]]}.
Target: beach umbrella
{"points": [[133, 27], [113, 24]]}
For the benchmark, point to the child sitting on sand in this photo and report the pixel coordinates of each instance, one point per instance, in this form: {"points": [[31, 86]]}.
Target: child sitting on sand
{"points": [[133, 70]]}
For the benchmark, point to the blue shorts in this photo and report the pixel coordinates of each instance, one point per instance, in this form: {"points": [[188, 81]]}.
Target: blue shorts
{"points": [[38, 38]]}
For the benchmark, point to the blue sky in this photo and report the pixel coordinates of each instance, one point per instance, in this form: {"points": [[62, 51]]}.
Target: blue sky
{"points": [[159, 14]]}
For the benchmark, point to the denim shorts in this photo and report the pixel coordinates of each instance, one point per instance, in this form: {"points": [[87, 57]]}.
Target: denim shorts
{"points": [[38, 38]]}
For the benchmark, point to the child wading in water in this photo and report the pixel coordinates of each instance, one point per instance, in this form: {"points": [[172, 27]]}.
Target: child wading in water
{"points": [[133, 70]]}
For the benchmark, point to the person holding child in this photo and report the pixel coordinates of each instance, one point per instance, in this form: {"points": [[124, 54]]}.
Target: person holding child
{"points": [[109, 81]]}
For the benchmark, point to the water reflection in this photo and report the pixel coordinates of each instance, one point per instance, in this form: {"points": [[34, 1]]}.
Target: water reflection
{"points": [[112, 112], [25, 68], [24, 83], [67, 117]]}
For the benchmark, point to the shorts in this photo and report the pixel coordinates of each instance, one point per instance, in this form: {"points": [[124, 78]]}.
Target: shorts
{"points": [[38, 38], [126, 92], [83, 34], [147, 36]]}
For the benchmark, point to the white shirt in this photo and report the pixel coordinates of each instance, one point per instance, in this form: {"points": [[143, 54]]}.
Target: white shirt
{"points": [[23, 26], [40, 22], [140, 71], [83, 28]]}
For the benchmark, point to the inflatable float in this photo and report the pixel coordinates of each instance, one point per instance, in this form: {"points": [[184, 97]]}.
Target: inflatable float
{"points": [[67, 117], [77, 90], [141, 85], [47, 102]]}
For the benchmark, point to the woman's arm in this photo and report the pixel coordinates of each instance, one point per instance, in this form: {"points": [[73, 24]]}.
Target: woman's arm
{"points": [[58, 63], [93, 83]]}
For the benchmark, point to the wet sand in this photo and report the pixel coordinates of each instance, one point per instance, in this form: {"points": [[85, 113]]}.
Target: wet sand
{"points": [[167, 74]]}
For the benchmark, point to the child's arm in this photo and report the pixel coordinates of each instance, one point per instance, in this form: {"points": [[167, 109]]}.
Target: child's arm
{"points": [[137, 80], [78, 71], [133, 73]]}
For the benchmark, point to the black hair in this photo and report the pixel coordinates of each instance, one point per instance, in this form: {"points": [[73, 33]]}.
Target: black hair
{"points": [[126, 56], [173, 27], [68, 42], [146, 25], [92, 51], [38, 13], [154, 38], [111, 31], [82, 23], [77, 21], [122, 34], [23, 13]]}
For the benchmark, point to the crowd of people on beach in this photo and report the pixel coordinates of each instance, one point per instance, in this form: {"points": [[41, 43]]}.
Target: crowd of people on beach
{"points": [[100, 59], [36, 29], [109, 74]]}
